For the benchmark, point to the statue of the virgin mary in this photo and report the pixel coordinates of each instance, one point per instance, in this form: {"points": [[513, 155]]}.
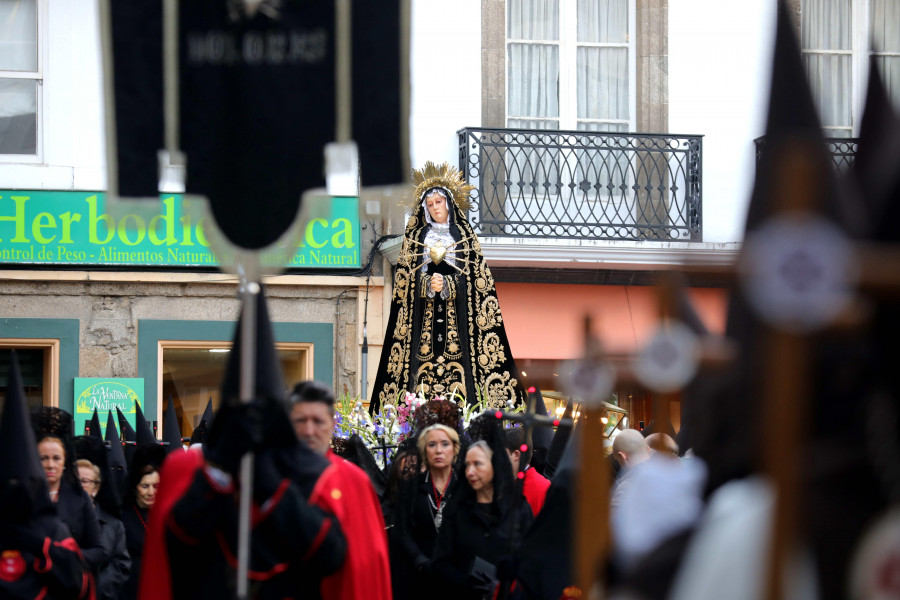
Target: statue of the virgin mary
{"points": [[445, 334]]}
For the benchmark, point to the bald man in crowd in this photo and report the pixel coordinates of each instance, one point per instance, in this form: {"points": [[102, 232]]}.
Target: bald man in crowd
{"points": [[629, 449], [662, 443]]}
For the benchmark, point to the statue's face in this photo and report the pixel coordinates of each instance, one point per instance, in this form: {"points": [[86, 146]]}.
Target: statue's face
{"points": [[437, 207]]}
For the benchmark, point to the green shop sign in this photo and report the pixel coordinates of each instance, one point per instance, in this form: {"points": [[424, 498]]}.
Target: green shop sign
{"points": [[53, 228], [106, 395]]}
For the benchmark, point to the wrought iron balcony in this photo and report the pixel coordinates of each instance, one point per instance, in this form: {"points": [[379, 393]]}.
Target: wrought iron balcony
{"points": [[842, 150], [584, 184]]}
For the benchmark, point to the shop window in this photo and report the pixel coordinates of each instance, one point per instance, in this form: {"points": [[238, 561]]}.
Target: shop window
{"points": [[39, 365], [191, 373]]}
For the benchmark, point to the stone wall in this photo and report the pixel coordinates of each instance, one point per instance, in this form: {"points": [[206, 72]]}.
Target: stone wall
{"points": [[109, 312]]}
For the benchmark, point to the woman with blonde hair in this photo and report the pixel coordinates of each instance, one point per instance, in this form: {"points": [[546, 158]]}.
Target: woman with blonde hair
{"points": [[424, 504]]}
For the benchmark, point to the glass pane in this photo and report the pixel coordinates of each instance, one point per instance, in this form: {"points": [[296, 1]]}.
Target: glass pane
{"points": [[610, 127], [18, 35], [829, 79], [193, 376], [532, 124], [532, 19], [837, 133], [603, 21], [826, 25], [889, 67], [884, 15], [31, 367], [602, 83], [18, 116], [533, 81]]}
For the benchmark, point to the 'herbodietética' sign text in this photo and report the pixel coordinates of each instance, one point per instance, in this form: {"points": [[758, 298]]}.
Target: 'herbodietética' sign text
{"points": [[39, 227]]}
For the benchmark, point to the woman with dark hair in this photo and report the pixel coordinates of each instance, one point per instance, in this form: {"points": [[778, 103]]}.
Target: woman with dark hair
{"points": [[53, 434], [139, 497], [486, 519], [445, 335]]}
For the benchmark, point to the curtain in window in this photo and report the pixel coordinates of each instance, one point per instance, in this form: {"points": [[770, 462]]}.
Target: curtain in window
{"points": [[884, 18], [826, 40], [602, 97], [18, 97], [602, 71], [533, 29], [533, 76]]}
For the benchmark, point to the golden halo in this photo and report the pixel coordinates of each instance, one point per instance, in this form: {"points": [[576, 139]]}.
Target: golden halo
{"points": [[443, 176]]}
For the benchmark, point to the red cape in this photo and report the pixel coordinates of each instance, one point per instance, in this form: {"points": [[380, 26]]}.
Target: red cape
{"points": [[344, 490], [535, 489]]}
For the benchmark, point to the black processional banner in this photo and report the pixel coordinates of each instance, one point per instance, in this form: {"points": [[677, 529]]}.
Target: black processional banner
{"points": [[257, 94], [137, 80]]}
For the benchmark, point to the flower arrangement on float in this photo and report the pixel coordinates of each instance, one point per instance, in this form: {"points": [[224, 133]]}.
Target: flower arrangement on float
{"points": [[394, 422]]}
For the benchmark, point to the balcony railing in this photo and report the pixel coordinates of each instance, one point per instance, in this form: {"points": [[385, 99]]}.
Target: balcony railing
{"points": [[842, 151], [584, 184]]}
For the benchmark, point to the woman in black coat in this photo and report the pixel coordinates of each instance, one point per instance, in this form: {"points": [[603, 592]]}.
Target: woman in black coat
{"points": [[138, 497], [481, 528], [113, 573], [425, 505], [74, 507]]}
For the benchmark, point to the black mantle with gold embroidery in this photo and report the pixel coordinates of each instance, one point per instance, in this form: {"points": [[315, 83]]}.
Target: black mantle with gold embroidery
{"points": [[445, 346]]}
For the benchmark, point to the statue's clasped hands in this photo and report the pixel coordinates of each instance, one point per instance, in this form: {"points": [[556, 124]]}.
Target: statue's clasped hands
{"points": [[437, 283]]}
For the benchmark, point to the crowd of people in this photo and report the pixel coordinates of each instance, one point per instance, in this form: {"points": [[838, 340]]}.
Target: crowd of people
{"points": [[449, 520]]}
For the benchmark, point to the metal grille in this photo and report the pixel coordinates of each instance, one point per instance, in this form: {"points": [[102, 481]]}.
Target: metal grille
{"points": [[842, 151], [583, 184]]}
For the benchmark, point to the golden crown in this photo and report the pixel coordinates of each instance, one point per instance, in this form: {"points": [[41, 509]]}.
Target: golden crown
{"points": [[443, 176]]}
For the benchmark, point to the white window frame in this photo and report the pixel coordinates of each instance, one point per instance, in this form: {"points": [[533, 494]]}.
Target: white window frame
{"points": [[568, 52], [38, 76]]}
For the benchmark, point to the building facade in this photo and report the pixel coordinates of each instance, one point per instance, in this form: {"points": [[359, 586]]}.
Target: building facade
{"points": [[647, 84]]}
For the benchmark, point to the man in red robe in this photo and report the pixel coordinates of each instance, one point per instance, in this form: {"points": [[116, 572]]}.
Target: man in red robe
{"points": [[192, 533], [344, 490]]}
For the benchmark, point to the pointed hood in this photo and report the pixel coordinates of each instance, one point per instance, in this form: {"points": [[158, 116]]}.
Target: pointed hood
{"points": [[875, 170], [208, 413], [23, 488], [294, 459], [171, 430], [129, 435], [93, 449], [794, 158], [200, 433], [541, 437], [117, 464], [269, 383], [94, 426], [792, 121], [143, 433], [558, 444], [126, 430]]}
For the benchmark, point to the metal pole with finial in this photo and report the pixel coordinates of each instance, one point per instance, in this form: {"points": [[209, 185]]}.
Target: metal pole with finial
{"points": [[249, 291]]}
